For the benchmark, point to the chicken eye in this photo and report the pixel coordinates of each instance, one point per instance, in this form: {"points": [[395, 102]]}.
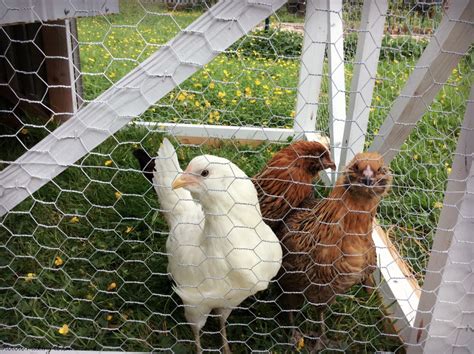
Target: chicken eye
{"points": [[205, 173]]}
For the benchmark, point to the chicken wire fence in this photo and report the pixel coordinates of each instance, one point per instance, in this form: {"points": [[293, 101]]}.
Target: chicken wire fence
{"points": [[83, 258]]}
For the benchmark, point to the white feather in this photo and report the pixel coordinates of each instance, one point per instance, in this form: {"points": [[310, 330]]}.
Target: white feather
{"points": [[220, 250]]}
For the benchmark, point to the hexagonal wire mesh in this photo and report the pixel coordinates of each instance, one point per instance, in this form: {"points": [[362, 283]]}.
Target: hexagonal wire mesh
{"points": [[84, 259]]}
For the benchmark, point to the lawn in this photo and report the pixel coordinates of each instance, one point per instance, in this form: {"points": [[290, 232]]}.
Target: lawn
{"points": [[87, 250]]}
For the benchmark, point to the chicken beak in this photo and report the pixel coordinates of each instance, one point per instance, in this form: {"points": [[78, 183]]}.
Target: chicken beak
{"points": [[183, 181]]}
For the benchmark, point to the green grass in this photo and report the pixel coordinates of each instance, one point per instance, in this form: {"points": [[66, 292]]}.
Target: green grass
{"points": [[100, 216]]}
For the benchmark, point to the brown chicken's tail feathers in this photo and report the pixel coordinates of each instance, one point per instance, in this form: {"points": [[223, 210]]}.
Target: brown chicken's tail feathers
{"points": [[147, 164]]}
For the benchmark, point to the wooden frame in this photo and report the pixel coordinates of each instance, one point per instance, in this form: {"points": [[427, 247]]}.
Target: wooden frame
{"points": [[59, 61], [203, 40], [452, 39], [337, 81], [27, 11], [449, 271], [363, 80], [208, 36], [311, 70]]}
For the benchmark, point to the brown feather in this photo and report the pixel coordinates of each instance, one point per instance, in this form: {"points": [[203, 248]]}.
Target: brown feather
{"points": [[287, 179], [328, 248]]}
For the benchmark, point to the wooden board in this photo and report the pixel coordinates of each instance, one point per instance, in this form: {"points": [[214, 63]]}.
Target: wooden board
{"points": [[311, 69], [396, 283], [363, 81], [448, 221], [59, 69], [27, 11], [337, 82], [447, 47]]}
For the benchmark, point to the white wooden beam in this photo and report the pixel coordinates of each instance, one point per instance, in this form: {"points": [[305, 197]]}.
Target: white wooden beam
{"points": [[204, 39], [453, 220], [337, 81], [27, 11], [399, 288], [448, 45], [452, 323], [226, 132], [363, 80], [311, 69]]}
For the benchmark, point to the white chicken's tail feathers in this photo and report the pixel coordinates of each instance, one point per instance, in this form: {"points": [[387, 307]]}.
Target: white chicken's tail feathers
{"points": [[175, 204]]}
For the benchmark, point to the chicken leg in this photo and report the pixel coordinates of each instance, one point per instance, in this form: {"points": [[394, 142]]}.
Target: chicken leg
{"points": [[197, 338], [223, 315]]}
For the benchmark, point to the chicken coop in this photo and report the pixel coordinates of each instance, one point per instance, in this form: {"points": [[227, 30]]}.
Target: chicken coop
{"points": [[85, 84]]}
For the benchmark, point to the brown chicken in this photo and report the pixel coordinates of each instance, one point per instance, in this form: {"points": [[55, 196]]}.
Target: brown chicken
{"points": [[328, 248], [287, 179]]}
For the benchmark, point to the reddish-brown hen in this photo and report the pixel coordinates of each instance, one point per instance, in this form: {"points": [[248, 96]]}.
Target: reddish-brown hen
{"points": [[287, 179], [329, 248]]}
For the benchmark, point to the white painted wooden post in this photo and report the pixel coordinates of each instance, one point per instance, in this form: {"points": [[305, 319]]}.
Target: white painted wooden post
{"points": [[202, 41], [311, 69], [337, 85], [363, 80], [448, 45], [449, 273]]}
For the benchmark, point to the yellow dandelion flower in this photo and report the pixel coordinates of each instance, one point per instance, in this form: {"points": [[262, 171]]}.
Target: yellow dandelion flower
{"points": [[197, 103], [265, 87], [207, 103], [221, 94], [449, 169], [30, 276], [108, 163], [128, 229], [58, 261], [112, 286], [112, 74], [118, 195], [238, 93], [226, 73], [377, 98], [300, 344], [252, 101], [248, 91], [181, 97], [74, 220], [64, 329], [257, 82], [109, 318], [292, 114], [24, 131], [212, 85], [234, 101], [438, 205]]}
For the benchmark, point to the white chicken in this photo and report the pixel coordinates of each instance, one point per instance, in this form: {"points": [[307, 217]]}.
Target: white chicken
{"points": [[219, 249]]}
